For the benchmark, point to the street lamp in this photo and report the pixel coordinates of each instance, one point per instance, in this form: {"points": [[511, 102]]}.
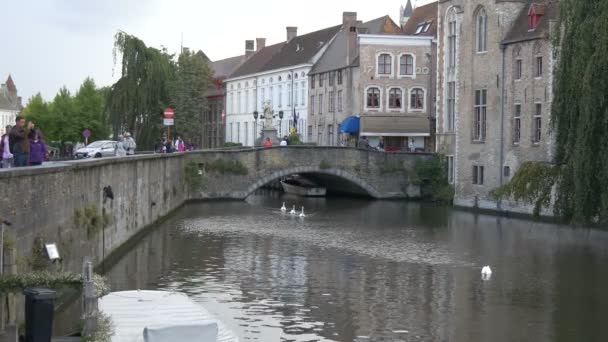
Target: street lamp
{"points": [[255, 135], [280, 122]]}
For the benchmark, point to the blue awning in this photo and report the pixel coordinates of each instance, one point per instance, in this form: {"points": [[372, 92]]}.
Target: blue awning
{"points": [[350, 125]]}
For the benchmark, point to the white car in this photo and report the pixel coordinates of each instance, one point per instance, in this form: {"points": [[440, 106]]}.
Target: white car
{"points": [[97, 149]]}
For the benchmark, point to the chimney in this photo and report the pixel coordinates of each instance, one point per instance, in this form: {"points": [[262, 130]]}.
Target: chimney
{"points": [[260, 43], [249, 48], [349, 27], [349, 19], [292, 32]]}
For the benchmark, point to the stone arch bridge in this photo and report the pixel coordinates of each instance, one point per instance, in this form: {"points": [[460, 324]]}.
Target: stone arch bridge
{"points": [[237, 173]]}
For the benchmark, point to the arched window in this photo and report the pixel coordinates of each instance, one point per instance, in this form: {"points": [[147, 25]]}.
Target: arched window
{"points": [[406, 65], [384, 64], [373, 98], [417, 99], [394, 98], [482, 31]]}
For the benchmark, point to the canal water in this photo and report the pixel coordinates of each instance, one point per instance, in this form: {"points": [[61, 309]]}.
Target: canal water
{"points": [[361, 270]]}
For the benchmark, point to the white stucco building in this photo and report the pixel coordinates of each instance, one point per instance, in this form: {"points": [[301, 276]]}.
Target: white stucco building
{"points": [[275, 76]]}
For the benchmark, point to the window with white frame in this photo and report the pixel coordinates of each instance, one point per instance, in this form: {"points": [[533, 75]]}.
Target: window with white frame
{"points": [[394, 98], [479, 121], [406, 65], [332, 78], [309, 133], [289, 95], [330, 135], [296, 94], [238, 102], [373, 98], [302, 95], [417, 99], [332, 102], [312, 81], [451, 110], [339, 100], [339, 77], [537, 134], [517, 124], [312, 104], [280, 95], [246, 101], [384, 64], [320, 134], [321, 79], [482, 31]]}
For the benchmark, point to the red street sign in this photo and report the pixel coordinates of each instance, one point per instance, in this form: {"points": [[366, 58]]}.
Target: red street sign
{"points": [[169, 113]]}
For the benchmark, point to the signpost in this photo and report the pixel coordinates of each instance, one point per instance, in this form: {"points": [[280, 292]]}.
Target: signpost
{"points": [[86, 134], [168, 121]]}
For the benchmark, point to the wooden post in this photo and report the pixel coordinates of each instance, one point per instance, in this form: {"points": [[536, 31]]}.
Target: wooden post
{"points": [[89, 300]]}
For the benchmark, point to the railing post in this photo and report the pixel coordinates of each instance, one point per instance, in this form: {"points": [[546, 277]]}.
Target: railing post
{"points": [[89, 300]]}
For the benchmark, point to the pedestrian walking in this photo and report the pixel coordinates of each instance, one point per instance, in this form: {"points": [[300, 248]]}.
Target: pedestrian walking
{"points": [[38, 149], [129, 144], [19, 140], [120, 150], [5, 149]]}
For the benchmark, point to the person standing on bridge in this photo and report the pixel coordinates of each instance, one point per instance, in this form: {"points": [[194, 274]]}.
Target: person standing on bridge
{"points": [[267, 143], [129, 144], [363, 144], [19, 140], [5, 149]]}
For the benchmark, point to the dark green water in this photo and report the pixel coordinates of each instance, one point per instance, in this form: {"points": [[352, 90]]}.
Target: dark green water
{"points": [[358, 270]]}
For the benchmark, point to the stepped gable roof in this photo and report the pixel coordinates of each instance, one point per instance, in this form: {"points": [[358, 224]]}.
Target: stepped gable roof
{"points": [[335, 56], [548, 9], [299, 50], [422, 15]]}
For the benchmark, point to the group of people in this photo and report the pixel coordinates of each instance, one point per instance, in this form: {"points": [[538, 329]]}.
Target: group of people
{"points": [[284, 142], [167, 145], [22, 145], [125, 146]]}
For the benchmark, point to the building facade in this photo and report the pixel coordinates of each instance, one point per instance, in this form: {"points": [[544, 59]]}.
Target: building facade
{"points": [[494, 93], [10, 103], [334, 81], [274, 78], [214, 128]]}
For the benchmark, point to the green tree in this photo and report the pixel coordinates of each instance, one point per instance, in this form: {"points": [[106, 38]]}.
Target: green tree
{"points": [[187, 95], [580, 111], [37, 111], [137, 99], [63, 113], [89, 104]]}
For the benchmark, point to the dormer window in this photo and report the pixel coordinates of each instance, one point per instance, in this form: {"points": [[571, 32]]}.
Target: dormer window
{"points": [[535, 12]]}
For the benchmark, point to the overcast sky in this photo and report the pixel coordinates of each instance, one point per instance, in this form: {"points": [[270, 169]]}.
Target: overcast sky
{"points": [[50, 43]]}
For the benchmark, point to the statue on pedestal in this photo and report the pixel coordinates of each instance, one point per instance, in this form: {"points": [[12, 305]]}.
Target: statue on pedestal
{"points": [[267, 116]]}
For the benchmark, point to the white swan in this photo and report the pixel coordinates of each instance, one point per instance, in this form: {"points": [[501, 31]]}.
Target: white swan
{"points": [[283, 208], [302, 213], [486, 273], [293, 210]]}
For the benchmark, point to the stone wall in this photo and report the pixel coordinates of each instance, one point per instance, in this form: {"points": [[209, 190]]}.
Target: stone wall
{"points": [[64, 203]]}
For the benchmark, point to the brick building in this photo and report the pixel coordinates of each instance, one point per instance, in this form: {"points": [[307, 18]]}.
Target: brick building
{"points": [[493, 93]]}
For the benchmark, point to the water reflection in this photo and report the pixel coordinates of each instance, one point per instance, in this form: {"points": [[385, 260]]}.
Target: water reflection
{"points": [[357, 270]]}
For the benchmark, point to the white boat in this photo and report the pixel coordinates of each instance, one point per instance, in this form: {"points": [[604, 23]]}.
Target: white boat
{"points": [[161, 316], [302, 187]]}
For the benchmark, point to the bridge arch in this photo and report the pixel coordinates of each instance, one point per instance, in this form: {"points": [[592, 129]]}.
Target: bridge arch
{"points": [[348, 176]]}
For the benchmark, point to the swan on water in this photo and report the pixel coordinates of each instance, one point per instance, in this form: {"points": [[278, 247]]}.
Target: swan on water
{"points": [[293, 210], [486, 273], [283, 208], [302, 213]]}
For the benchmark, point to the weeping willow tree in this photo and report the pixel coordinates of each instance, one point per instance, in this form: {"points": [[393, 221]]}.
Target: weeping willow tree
{"points": [[580, 111], [137, 99]]}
